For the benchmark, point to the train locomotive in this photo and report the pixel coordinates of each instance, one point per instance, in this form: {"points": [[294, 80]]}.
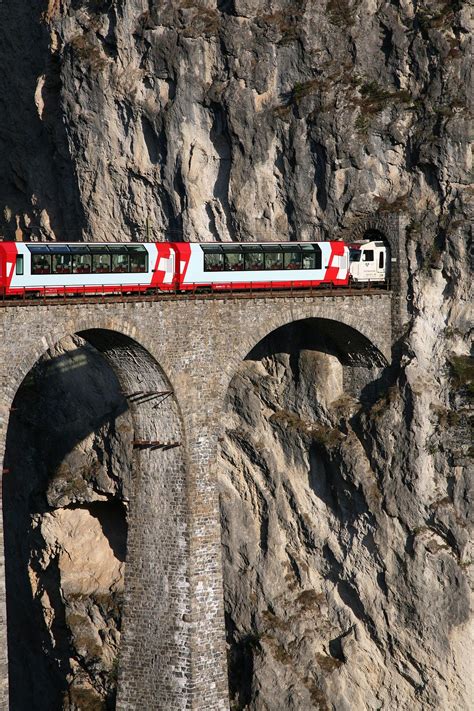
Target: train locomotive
{"points": [[60, 269]]}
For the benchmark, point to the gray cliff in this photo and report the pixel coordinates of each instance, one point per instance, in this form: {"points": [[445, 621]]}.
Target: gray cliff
{"points": [[345, 511]]}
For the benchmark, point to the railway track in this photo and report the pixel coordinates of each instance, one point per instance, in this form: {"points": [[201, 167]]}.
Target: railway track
{"points": [[71, 300]]}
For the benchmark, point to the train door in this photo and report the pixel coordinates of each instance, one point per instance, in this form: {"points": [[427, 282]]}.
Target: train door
{"points": [[367, 263], [164, 272], [373, 262]]}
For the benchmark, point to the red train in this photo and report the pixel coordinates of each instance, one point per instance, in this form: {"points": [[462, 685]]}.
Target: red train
{"points": [[54, 268]]}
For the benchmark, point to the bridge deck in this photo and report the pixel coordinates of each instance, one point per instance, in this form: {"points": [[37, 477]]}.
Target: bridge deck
{"points": [[192, 296]]}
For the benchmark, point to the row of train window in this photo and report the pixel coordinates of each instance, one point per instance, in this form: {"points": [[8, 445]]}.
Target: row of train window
{"points": [[228, 261], [75, 260]]}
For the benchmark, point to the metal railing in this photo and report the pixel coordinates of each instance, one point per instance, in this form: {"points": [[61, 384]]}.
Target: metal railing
{"points": [[124, 292]]}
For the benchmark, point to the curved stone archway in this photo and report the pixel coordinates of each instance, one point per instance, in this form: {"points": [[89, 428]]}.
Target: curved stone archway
{"points": [[352, 346], [361, 359], [155, 649]]}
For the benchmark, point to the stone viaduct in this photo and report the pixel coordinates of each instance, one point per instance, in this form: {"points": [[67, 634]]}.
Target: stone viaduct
{"points": [[173, 653], [173, 641]]}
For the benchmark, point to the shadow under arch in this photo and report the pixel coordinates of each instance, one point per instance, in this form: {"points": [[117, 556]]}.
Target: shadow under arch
{"points": [[154, 598], [355, 348], [327, 335], [363, 360]]}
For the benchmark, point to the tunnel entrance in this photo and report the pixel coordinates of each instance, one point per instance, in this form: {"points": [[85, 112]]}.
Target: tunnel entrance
{"points": [[296, 494], [93, 517]]}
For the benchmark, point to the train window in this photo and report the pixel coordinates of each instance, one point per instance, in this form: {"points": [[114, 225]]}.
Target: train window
{"points": [[254, 261], [354, 255], [40, 264], [81, 263], [213, 262], [381, 260], [138, 259], [274, 260], [61, 263], [101, 263], [368, 255], [120, 263], [19, 265], [311, 256], [292, 260], [234, 261]]}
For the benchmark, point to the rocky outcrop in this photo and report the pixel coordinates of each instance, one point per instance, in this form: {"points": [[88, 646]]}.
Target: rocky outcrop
{"points": [[345, 541], [232, 119]]}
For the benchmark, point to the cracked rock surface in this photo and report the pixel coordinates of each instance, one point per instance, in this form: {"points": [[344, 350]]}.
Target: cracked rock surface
{"points": [[345, 539], [232, 119]]}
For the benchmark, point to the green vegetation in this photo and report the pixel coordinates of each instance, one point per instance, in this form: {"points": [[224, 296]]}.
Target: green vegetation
{"points": [[431, 446], [326, 436], [342, 12], [400, 204], [462, 371], [296, 94], [445, 501], [88, 53], [202, 21], [438, 14], [322, 434], [384, 403], [327, 664], [273, 623], [413, 229], [309, 599], [286, 23], [375, 98], [302, 89], [362, 124]]}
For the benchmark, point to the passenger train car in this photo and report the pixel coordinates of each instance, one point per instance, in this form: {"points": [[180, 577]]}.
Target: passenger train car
{"points": [[54, 268]]}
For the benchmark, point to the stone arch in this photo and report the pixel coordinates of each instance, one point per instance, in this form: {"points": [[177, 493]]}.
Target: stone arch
{"points": [[352, 345], [154, 648], [386, 225], [369, 350]]}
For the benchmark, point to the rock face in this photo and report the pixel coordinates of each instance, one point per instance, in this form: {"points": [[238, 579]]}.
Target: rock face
{"points": [[231, 119], [65, 521], [344, 518], [344, 540]]}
